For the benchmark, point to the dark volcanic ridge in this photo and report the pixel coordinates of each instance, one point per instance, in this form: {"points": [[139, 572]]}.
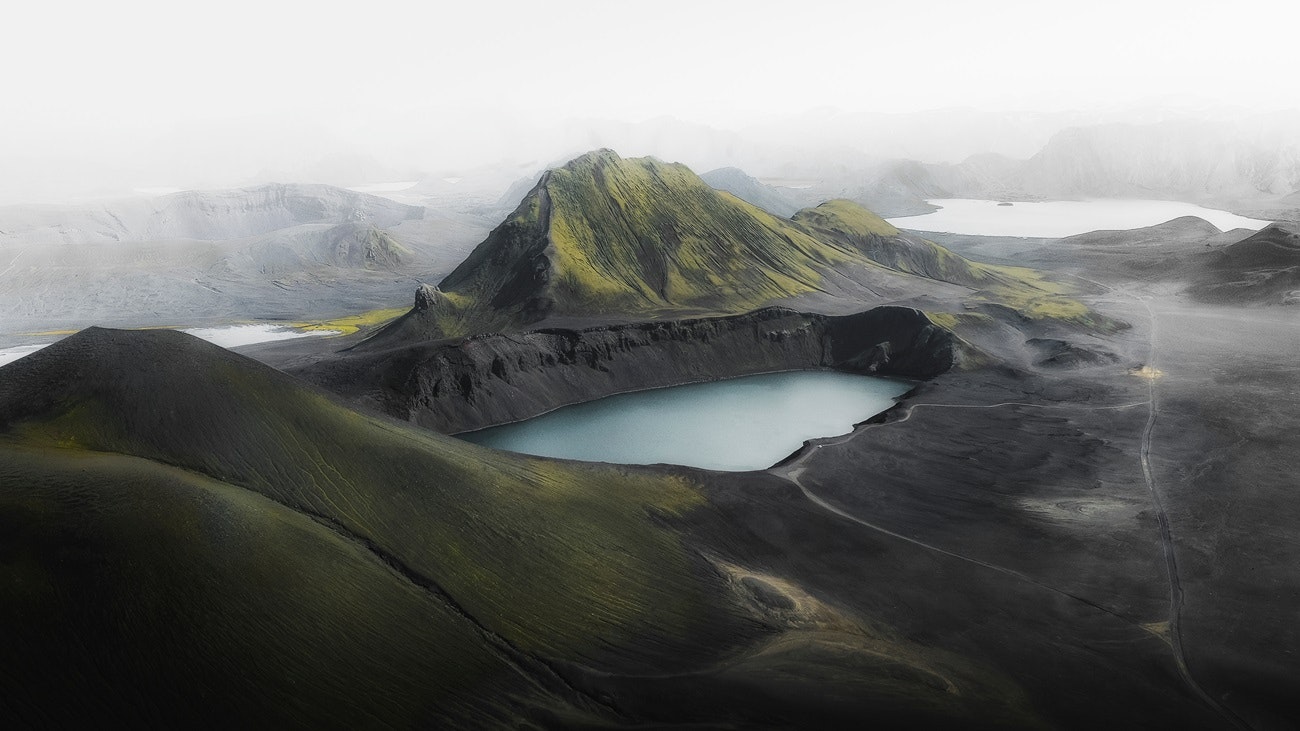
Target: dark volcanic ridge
{"points": [[454, 386], [1263, 269]]}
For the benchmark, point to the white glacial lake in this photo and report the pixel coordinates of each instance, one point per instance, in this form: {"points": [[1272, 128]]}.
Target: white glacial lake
{"points": [[14, 352], [1057, 219], [375, 188], [227, 336], [232, 336], [747, 423]]}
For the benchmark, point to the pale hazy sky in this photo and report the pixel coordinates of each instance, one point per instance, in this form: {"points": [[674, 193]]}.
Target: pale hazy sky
{"points": [[96, 80]]}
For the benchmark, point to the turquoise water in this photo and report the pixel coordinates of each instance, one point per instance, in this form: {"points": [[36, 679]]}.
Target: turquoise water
{"points": [[740, 424]]}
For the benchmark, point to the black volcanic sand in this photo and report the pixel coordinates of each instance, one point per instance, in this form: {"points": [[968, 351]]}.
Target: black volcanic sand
{"points": [[1037, 479]]}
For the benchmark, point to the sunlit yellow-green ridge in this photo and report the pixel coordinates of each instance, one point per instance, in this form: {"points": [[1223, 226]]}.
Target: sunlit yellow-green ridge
{"points": [[609, 236], [631, 236], [1027, 291], [640, 233]]}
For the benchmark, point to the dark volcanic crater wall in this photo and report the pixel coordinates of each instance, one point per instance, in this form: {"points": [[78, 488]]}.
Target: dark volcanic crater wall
{"points": [[495, 379]]}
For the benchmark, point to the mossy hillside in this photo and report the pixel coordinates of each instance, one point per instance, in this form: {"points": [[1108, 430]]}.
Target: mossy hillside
{"points": [[854, 226], [137, 583], [841, 215], [1027, 291], [380, 249], [638, 234], [550, 555], [534, 579], [350, 324], [954, 321], [605, 236], [214, 586], [610, 235]]}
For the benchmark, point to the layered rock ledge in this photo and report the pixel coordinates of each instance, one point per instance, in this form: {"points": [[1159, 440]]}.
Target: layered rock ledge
{"points": [[495, 379]]}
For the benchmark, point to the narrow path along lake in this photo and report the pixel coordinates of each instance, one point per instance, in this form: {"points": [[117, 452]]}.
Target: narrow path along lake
{"points": [[739, 424]]}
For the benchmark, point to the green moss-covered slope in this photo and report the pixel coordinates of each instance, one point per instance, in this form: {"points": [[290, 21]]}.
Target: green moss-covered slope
{"points": [[605, 236], [188, 537], [443, 508], [1025, 291], [131, 589], [613, 235]]}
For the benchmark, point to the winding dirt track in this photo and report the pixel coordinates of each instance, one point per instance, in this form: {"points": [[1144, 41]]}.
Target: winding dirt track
{"points": [[1166, 533], [794, 469], [1162, 516]]}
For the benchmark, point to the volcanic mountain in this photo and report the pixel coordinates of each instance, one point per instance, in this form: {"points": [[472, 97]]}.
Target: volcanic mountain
{"points": [[607, 237]]}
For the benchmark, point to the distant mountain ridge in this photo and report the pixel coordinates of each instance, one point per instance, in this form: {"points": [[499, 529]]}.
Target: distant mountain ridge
{"points": [[204, 215], [1173, 158], [1180, 160], [271, 251]]}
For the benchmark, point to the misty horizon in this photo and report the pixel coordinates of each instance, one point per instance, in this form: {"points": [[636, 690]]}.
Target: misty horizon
{"points": [[110, 101]]}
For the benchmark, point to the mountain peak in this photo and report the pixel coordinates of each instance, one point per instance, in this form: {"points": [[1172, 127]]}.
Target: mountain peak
{"points": [[617, 238], [846, 216], [625, 236], [124, 366], [603, 156]]}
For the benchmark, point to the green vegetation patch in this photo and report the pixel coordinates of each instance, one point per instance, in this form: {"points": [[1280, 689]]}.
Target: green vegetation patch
{"points": [[139, 584], [350, 324], [570, 560], [847, 216]]}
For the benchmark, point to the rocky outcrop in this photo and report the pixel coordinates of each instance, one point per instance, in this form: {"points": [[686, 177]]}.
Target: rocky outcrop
{"points": [[494, 379]]}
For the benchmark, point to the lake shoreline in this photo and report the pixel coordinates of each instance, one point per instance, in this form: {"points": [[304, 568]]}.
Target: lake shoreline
{"points": [[740, 424]]}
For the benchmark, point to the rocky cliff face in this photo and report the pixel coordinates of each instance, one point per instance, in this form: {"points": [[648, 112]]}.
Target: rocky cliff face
{"points": [[495, 379]]}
